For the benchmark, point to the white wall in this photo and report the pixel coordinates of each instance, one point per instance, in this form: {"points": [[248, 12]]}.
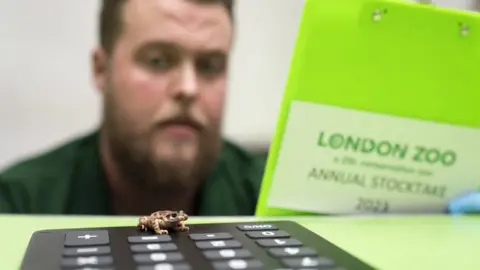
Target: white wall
{"points": [[46, 92]]}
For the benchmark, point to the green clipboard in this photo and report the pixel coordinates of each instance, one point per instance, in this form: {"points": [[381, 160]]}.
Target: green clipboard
{"points": [[366, 65]]}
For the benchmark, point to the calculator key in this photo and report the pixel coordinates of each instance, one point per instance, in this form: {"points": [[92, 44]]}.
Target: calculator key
{"points": [[86, 238], [292, 252], [166, 266], [218, 244], [320, 262], [238, 264], [98, 268], [210, 236], [257, 227], [286, 242], [158, 257], [267, 234], [149, 239], [153, 247], [87, 261], [86, 251], [227, 254]]}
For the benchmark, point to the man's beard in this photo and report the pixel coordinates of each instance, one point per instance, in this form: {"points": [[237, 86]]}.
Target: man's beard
{"points": [[133, 154]]}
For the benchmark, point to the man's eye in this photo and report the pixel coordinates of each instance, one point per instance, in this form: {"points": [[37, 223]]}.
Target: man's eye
{"points": [[210, 66], [158, 63]]}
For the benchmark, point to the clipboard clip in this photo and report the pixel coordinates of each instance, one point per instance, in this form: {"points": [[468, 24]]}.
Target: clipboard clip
{"points": [[464, 29], [378, 15]]}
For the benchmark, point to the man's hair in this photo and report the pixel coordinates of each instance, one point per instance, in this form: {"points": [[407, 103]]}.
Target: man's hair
{"points": [[111, 19]]}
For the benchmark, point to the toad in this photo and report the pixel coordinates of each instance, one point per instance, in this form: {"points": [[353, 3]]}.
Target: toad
{"points": [[163, 221]]}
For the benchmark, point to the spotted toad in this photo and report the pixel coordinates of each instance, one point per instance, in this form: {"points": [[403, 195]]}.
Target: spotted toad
{"points": [[163, 221]]}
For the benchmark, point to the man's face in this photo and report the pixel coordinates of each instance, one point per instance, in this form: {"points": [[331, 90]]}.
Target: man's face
{"points": [[164, 87]]}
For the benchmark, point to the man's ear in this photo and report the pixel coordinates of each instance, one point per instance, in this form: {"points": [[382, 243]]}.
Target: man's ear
{"points": [[99, 68]]}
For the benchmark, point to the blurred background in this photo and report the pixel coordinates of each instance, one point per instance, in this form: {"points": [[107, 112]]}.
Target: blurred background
{"points": [[47, 95]]}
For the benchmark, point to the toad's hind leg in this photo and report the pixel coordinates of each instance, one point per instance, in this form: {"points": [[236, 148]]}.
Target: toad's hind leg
{"points": [[143, 223], [157, 224]]}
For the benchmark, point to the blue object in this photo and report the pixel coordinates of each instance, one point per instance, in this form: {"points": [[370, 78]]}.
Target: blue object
{"points": [[466, 203]]}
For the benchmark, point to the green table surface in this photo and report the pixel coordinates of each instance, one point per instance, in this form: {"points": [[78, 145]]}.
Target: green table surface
{"points": [[391, 242]]}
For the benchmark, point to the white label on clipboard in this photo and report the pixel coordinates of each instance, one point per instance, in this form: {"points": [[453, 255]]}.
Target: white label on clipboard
{"points": [[341, 161]]}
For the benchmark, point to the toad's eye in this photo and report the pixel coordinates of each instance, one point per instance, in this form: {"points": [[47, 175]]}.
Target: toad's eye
{"points": [[174, 215]]}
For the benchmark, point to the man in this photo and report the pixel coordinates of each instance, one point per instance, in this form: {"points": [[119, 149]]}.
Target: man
{"points": [[161, 70]]}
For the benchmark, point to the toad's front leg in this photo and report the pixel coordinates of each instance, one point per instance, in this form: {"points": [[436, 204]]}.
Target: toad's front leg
{"points": [[158, 225], [182, 227]]}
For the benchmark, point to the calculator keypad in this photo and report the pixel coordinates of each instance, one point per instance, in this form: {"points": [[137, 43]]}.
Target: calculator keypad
{"points": [[290, 251], [91, 250], [226, 254], [157, 252], [87, 249]]}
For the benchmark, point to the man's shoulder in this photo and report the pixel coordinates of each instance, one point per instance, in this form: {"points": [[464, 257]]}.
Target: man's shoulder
{"points": [[234, 185], [25, 185], [246, 164], [48, 164], [241, 156]]}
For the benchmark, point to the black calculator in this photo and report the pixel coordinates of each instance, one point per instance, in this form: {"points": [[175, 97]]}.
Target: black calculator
{"points": [[272, 245]]}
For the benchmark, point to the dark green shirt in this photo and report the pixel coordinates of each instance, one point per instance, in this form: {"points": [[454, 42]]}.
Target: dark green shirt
{"points": [[70, 180]]}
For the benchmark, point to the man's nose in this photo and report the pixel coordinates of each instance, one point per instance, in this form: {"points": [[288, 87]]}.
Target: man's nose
{"points": [[186, 87]]}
